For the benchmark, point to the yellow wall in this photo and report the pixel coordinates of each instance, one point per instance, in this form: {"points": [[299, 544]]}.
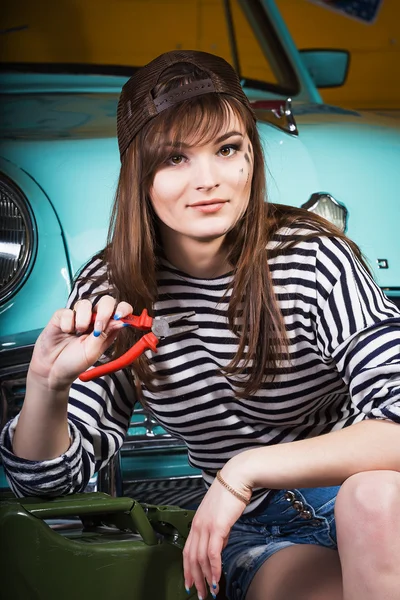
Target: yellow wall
{"points": [[121, 32], [374, 76], [124, 32], [129, 32]]}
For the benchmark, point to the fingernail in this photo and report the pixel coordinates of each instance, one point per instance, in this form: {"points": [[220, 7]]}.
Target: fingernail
{"points": [[214, 585], [126, 324], [98, 326], [213, 595], [199, 597], [117, 316], [187, 590]]}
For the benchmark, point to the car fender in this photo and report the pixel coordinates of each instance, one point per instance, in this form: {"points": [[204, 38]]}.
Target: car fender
{"points": [[341, 154], [49, 280]]}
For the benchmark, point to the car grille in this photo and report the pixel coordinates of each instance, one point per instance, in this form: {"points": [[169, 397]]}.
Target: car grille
{"points": [[12, 391]]}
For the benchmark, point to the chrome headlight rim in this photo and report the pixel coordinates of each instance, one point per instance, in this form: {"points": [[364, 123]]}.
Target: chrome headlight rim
{"points": [[316, 197], [26, 262]]}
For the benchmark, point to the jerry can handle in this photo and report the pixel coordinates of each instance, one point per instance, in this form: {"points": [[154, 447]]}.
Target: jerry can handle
{"points": [[125, 513]]}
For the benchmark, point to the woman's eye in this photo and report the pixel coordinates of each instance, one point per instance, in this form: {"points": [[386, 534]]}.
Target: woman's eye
{"points": [[228, 150], [176, 160]]}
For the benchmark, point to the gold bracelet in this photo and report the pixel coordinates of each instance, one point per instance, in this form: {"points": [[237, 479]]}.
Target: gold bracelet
{"points": [[231, 489]]}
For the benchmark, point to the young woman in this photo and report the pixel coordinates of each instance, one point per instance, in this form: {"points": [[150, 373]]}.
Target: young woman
{"points": [[288, 393]]}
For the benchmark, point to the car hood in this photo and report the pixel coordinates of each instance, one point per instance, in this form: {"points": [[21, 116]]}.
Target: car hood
{"points": [[58, 116], [351, 155]]}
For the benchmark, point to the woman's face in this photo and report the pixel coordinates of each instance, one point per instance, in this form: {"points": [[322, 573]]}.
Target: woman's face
{"points": [[201, 191]]}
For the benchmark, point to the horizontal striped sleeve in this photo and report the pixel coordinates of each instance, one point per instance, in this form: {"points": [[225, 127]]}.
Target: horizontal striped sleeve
{"points": [[358, 329], [101, 410], [59, 476]]}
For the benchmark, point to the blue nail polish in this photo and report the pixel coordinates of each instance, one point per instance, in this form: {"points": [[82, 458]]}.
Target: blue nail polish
{"points": [[214, 585], [117, 316], [187, 590], [96, 333], [126, 325], [213, 595]]}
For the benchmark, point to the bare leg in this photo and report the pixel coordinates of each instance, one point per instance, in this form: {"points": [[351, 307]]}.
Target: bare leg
{"points": [[368, 532], [301, 572]]}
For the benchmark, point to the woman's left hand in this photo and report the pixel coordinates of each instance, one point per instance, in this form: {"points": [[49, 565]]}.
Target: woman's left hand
{"points": [[209, 533]]}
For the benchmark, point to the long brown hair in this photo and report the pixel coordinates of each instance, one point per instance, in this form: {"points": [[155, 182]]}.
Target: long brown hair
{"points": [[134, 244]]}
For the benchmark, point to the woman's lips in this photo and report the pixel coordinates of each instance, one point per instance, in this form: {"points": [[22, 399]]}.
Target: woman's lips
{"points": [[209, 207]]}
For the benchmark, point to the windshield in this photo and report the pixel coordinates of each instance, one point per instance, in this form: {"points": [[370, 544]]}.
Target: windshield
{"points": [[130, 33]]}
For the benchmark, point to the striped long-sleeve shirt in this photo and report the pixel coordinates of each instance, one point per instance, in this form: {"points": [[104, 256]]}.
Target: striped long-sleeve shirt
{"points": [[343, 367]]}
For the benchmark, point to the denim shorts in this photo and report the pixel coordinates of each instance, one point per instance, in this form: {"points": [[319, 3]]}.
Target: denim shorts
{"points": [[298, 516]]}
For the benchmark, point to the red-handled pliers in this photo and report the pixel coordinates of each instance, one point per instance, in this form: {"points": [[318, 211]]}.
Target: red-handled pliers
{"points": [[160, 329]]}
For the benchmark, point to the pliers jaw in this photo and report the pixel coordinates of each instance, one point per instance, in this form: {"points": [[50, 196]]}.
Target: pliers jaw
{"points": [[161, 325]]}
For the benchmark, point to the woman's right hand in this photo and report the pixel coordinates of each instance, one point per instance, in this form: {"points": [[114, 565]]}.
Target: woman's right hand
{"points": [[60, 355]]}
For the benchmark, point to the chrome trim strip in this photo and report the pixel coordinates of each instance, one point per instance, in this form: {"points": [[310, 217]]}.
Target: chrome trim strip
{"points": [[155, 443], [160, 479]]}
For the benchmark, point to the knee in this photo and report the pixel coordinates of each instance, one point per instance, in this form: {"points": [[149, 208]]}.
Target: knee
{"points": [[368, 502]]}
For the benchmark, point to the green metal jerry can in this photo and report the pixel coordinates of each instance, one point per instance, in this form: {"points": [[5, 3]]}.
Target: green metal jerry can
{"points": [[91, 547]]}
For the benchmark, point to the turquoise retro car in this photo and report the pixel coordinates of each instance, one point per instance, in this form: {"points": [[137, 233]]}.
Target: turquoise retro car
{"points": [[59, 164]]}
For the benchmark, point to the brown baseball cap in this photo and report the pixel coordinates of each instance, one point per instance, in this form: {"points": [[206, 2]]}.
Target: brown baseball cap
{"points": [[137, 106]]}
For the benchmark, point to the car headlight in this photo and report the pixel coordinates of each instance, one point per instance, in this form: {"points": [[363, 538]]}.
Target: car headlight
{"points": [[326, 206], [18, 238]]}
